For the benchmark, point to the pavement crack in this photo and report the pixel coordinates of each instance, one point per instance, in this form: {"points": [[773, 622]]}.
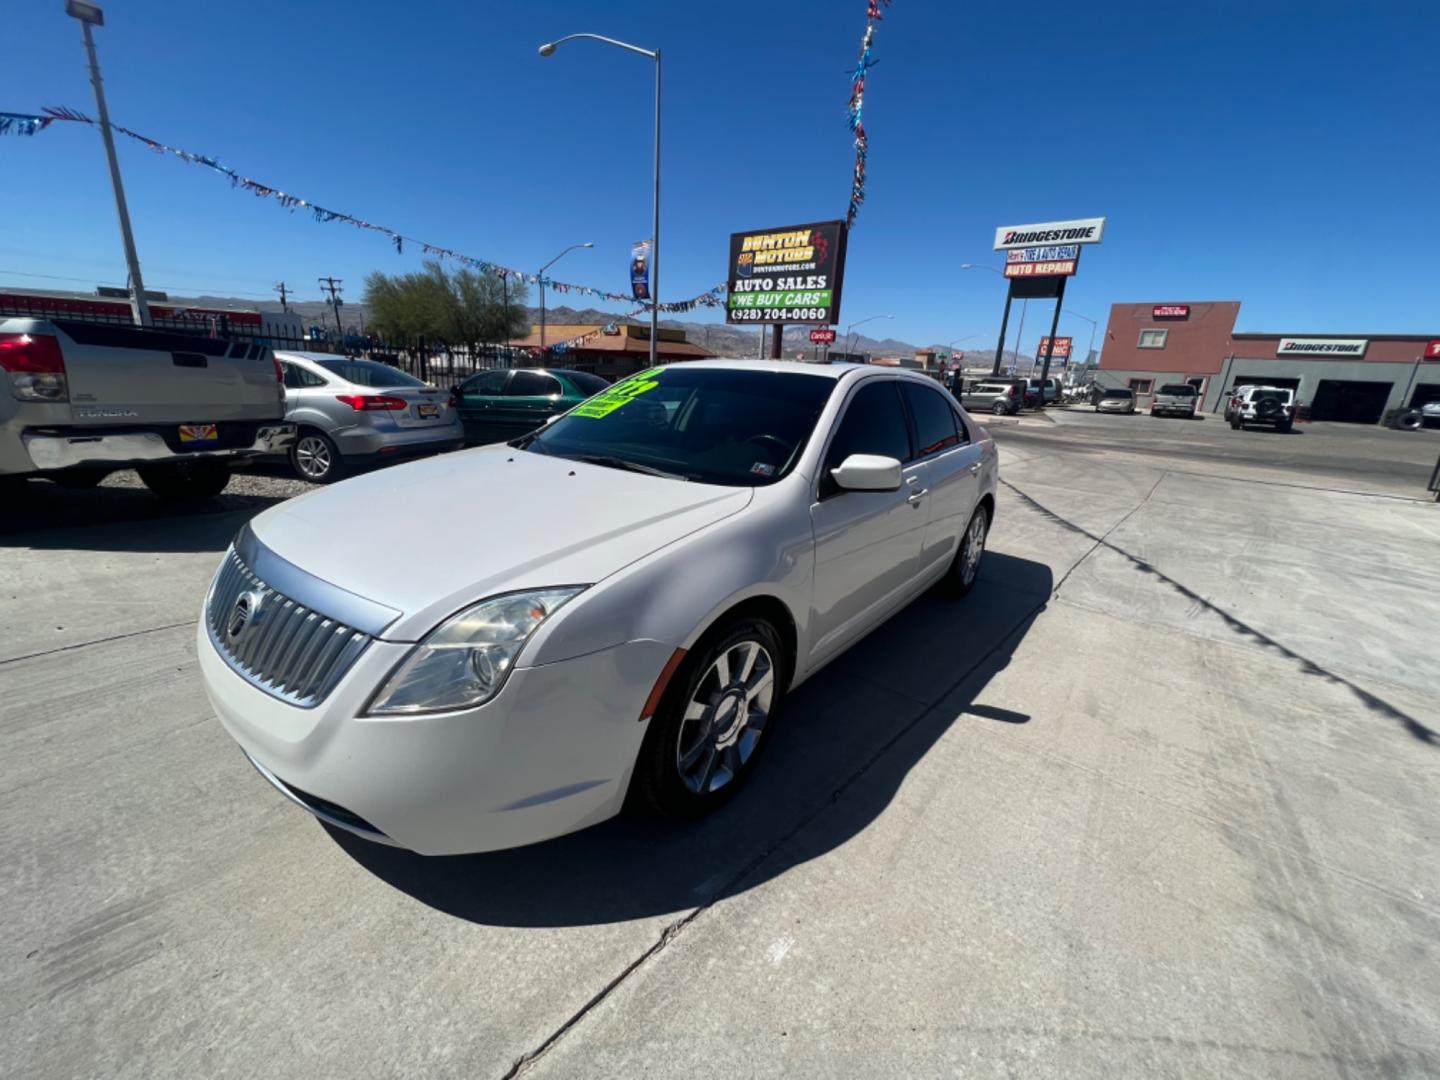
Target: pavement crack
{"points": [[96, 641]]}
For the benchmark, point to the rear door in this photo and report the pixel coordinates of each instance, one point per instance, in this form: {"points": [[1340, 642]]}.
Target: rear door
{"points": [[130, 375], [477, 397], [867, 543], [952, 473], [530, 398]]}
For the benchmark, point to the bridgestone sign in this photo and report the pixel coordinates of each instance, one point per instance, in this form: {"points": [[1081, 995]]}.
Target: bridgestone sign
{"points": [[1321, 347], [1080, 231]]}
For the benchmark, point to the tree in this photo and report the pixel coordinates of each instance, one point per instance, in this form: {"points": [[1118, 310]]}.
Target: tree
{"points": [[463, 308]]}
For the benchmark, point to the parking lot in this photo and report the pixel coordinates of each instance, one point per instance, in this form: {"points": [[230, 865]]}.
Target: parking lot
{"points": [[1157, 799]]}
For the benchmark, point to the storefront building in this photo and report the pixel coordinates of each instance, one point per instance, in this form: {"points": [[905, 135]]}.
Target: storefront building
{"points": [[611, 351], [1359, 378]]}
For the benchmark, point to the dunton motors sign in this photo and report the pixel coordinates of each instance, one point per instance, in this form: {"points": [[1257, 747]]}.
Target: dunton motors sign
{"points": [[1079, 231], [1339, 347]]}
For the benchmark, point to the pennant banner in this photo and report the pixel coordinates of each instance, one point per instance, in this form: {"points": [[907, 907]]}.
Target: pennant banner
{"points": [[22, 124], [321, 214], [856, 110]]}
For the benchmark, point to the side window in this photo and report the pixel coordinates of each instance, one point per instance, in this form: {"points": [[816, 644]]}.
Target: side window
{"points": [[294, 377], [487, 382], [309, 378], [532, 384], [874, 423], [934, 419]]}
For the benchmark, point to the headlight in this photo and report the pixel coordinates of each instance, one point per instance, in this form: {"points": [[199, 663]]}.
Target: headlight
{"points": [[465, 660]]}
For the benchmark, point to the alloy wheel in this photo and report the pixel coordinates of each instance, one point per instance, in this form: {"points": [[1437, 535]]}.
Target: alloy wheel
{"points": [[312, 456], [725, 717], [974, 548]]}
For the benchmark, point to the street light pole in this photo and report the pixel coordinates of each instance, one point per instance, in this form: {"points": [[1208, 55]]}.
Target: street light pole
{"points": [[862, 322], [541, 276], [1091, 350], [548, 49], [91, 15]]}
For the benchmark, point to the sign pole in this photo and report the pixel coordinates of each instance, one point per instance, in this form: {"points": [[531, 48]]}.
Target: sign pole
{"points": [[1050, 344], [778, 333], [1004, 324]]}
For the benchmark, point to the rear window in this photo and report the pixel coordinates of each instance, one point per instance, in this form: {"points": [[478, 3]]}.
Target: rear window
{"points": [[1270, 395], [1178, 390], [585, 382], [368, 373], [1118, 393]]}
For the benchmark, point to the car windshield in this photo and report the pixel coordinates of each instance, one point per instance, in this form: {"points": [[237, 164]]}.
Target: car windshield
{"points": [[711, 425], [368, 373], [1178, 390], [587, 383], [1117, 393]]}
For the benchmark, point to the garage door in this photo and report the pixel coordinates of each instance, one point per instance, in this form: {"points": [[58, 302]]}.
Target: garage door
{"points": [[1424, 394], [1350, 401]]}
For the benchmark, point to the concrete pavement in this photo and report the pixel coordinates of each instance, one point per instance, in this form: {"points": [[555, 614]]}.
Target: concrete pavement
{"points": [[1156, 799]]}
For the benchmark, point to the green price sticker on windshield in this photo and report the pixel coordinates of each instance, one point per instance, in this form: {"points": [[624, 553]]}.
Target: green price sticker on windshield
{"points": [[607, 401]]}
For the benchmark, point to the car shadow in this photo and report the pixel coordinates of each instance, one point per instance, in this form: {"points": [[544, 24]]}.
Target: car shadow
{"points": [[845, 744], [45, 516]]}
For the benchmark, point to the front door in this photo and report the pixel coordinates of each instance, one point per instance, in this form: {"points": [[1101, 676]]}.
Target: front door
{"points": [[867, 543], [475, 400]]}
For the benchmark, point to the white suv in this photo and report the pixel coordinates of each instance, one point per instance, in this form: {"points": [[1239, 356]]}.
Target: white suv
{"points": [[1274, 405]]}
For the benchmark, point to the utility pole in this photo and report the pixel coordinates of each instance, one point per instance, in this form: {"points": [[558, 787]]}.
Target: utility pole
{"points": [[332, 284], [90, 15], [281, 289]]}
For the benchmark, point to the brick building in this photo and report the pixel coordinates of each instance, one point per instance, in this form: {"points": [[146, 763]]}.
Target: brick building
{"points": [[1360, 378]]}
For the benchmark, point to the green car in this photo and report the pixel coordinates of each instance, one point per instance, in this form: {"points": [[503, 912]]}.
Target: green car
{"points": [[497, 406]]}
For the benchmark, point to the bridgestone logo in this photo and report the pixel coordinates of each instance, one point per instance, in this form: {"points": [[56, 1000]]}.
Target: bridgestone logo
{"points": [[1048, 236]]}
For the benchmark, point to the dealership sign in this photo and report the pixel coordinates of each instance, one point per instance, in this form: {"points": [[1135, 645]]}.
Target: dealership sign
{"points": [[1321, 347], [1080, 231], [1170, 311], [1055, 268], [787, 275], [1432, 350], [1062, 347], [822, 335]]}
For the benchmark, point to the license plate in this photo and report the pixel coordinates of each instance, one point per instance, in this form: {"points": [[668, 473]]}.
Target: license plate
{"points": [[199, 433], [427, 412]]}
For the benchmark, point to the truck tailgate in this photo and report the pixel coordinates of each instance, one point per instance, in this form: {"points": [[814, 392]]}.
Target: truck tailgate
{"points": [[126, 375]]}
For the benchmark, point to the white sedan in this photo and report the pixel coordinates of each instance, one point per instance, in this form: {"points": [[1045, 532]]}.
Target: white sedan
{"points": [[498, 646]]}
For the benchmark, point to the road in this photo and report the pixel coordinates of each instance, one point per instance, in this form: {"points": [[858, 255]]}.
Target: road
{"points": [[1156, 799]]}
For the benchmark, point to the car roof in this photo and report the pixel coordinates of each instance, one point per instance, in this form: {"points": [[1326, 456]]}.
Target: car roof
{"points": [[827, 371], [316, 357]]}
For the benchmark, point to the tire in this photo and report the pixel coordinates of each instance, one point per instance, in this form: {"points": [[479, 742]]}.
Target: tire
{"points": [[1267, 409], [1282, 426], [186, 481], [315, 457], [1235, 421], [683, 746], [964, 570], [79, 479], [1000, 408], [1410, 421]]}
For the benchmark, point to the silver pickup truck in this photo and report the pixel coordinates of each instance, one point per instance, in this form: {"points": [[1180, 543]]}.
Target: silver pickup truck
{"points": [[81, 400]]}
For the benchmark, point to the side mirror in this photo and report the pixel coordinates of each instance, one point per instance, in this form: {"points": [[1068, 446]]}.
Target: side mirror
{"points": [[868, 472]]}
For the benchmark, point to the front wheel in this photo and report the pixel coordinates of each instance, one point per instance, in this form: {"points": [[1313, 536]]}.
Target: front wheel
{"points": [[713, 720], [965, 569], [315, 457], [186, 481]]}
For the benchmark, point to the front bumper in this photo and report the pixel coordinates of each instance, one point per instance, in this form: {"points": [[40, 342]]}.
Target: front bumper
{"points": [[552, 753], [63, 450]]}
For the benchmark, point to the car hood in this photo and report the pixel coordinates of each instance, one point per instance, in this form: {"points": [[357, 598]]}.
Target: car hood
{"points": [[428, 538]]}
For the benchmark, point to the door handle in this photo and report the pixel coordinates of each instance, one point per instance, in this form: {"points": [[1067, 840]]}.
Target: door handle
{"points": [[975, 468], [916, 496]]}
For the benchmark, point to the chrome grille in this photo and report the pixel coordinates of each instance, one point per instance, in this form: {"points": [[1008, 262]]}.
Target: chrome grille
{"points": [[284, 648]]}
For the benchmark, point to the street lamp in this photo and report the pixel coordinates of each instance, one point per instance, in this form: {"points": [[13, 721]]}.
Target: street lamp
{"points": [[89, 15], [862, 322], [548, 49], [541, 276], [980, 266], [1091, 350]]}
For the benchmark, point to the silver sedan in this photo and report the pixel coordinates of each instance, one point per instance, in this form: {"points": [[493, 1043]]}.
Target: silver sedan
{"points": [[352, 412]]}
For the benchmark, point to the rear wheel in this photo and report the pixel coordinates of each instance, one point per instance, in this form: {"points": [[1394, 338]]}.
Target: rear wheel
{"points": [[1410, 421], [1235, 422], [315, 457], [713, 720], [186, 481], [999, 408], [965, 569], [1283, 426]]}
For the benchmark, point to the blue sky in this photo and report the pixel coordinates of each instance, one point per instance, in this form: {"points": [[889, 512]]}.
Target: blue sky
{"points": [[1282, 154]]}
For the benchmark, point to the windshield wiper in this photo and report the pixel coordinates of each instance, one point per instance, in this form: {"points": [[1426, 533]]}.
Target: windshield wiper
{"points": [[611, 462]]}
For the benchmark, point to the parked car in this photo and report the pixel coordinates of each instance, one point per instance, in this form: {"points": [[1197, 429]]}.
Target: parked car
{"points": [[1415, 419], [998, 396], [350, 413], [1053, 389], [1174, 399], [87, 399], [618, 605], [1115, 399], [496, 406], [1272, 405]]}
